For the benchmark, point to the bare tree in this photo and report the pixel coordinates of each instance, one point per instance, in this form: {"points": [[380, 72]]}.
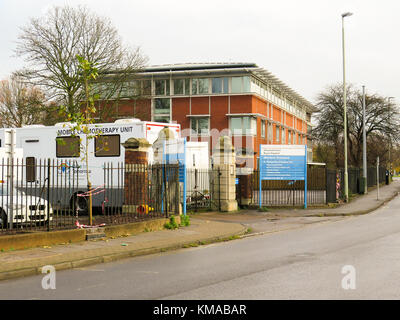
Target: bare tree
{"points": [[20, 104], [50, 45], [382, 122]]}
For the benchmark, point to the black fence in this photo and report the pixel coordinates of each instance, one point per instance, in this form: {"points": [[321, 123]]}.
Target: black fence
{"points": [[335, 181], [47, 195], [288, 192], [199, 189]]}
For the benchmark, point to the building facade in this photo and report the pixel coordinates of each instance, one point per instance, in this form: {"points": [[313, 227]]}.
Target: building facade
{"points": [[241, 100]]}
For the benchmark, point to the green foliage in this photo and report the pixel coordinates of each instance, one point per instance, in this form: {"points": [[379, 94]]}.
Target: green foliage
{"points": [[263, 209], [185, 220], [171, 224]]}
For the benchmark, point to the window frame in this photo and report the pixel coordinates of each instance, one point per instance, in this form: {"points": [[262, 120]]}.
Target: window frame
{"points": [[30, 167], [196, 132], [107, 156], [63, 137]]}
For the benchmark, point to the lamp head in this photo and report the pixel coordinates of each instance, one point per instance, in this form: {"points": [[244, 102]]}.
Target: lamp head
{"points": [[347, 14]]}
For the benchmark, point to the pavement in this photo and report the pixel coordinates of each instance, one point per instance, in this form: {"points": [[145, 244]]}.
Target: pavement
{"points": [[207, 227]]}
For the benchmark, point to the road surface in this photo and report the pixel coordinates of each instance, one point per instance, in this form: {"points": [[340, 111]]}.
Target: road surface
{"points": [[304, 263]]}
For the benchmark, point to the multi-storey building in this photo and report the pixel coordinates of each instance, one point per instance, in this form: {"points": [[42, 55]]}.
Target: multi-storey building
{"points": [[208, 100]]}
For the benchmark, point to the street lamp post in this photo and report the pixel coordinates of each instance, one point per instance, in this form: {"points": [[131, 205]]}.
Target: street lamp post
{"points": [[364, 147], [390, 147], [346, 178]]}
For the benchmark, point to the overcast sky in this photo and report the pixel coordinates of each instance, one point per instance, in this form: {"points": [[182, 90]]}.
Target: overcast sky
{"points": [[299, 41]]}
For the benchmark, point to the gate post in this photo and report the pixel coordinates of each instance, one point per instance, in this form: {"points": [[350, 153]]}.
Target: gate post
{"points": [[224, 163], [136, 176]]}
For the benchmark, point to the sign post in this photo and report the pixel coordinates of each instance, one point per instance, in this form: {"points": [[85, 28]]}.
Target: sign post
{"points": [[283, 162]]}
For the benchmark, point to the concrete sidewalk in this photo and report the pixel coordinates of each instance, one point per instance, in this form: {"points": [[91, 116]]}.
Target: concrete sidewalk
{"points": [[30, 261], [360, 204]]}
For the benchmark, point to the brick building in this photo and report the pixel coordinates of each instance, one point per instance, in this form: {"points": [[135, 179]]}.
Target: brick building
{"points": [[209, 100]]}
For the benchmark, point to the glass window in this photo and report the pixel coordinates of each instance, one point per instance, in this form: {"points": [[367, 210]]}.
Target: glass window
{"points": [[68, 147], [262, 128], [160, 87], [194, 86], [162, 105], [187, 86], [278, 134], [283, 135], [226, 84], [236, 85], [107, 146], [236, 125], [200, 126], [178, 86], [269, 132], [217, 85], [146, 87], [162, 118], [136, 90], [244, 125], [30, 169], [246, 84], [167, 87], [203, 86]]}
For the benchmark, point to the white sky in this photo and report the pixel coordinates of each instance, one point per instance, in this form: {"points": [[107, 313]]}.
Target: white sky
{"points": [[299, 41]]}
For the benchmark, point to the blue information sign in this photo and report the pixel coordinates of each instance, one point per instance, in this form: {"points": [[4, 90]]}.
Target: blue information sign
{"points": [[283, 162]]}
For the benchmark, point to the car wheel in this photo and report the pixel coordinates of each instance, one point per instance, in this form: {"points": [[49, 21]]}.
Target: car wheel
{"points": [[3, 219], [79, 204]]}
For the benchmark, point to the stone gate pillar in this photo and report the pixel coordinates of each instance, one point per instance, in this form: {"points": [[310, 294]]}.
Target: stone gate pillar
{"points": [[136, 174], [224, 176], [244, 173]]}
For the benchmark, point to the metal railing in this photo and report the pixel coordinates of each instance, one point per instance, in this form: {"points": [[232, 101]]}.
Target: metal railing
{"points": [[286, 192], [52, 194]]}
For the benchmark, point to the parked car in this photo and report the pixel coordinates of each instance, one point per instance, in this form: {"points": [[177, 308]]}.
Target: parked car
{"points": [[27, 210]]}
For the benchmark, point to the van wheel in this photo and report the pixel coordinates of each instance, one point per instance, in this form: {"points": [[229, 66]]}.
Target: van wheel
{"points": [[3, 219], [79, 204]]}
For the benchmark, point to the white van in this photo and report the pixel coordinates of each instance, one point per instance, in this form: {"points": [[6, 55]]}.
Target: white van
{"points": [[40, 142]]}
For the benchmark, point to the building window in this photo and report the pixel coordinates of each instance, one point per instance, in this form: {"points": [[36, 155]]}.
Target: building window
{"points": [[162, 105], [200, 126], [203, 85], [283, 136], [236, 84], [178, 86], [107, 146], [162, 118], [68, 147], [194, 86], [161, 87], [240, 84], [217, 85], [220, 85], [162, 110], [270, 133], [262, 128], [277, 134], [243, 126], [187, 87]]}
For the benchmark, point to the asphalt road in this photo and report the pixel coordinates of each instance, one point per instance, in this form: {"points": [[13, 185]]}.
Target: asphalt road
{"points": [[302, 263]]}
